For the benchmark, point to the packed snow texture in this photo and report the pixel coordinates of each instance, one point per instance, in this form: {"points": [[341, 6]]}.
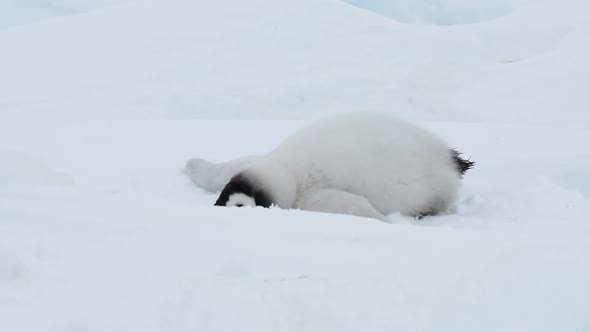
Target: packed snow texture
{"points": [[103, 101], [439, 12]]}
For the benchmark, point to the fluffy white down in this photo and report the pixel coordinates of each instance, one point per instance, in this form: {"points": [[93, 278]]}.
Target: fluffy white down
{"points": [[240, 200], [395, 165], [214, 176]]}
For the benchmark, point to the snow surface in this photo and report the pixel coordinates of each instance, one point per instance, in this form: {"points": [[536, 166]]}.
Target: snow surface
{"points": [[102, 102]]}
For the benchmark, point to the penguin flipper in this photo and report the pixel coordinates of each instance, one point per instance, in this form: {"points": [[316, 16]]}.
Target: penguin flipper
{"points": [[214, 176], [339, 202]]}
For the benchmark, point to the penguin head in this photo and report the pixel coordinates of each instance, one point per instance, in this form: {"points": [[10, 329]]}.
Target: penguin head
{"points": [[264, 183], [243, 190]]}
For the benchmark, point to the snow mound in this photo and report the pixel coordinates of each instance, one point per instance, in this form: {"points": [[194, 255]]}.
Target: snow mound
{"points": [[19, 168], [17, 12], [294, 59], [11, 268], [438, 12]]}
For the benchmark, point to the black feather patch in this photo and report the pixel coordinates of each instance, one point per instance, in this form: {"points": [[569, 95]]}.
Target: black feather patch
{"points": [[463, 165], [240, 183]]}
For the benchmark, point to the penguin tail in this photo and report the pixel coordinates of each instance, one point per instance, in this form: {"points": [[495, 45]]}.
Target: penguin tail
{"points": [[462, 164]]}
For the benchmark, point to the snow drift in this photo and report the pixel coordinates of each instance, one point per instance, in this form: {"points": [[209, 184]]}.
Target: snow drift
{"points": [[102, 102]]}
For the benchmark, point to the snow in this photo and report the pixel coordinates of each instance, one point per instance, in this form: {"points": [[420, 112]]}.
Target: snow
{"points": [[439, 12], [102, 102], [18, 12]]}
